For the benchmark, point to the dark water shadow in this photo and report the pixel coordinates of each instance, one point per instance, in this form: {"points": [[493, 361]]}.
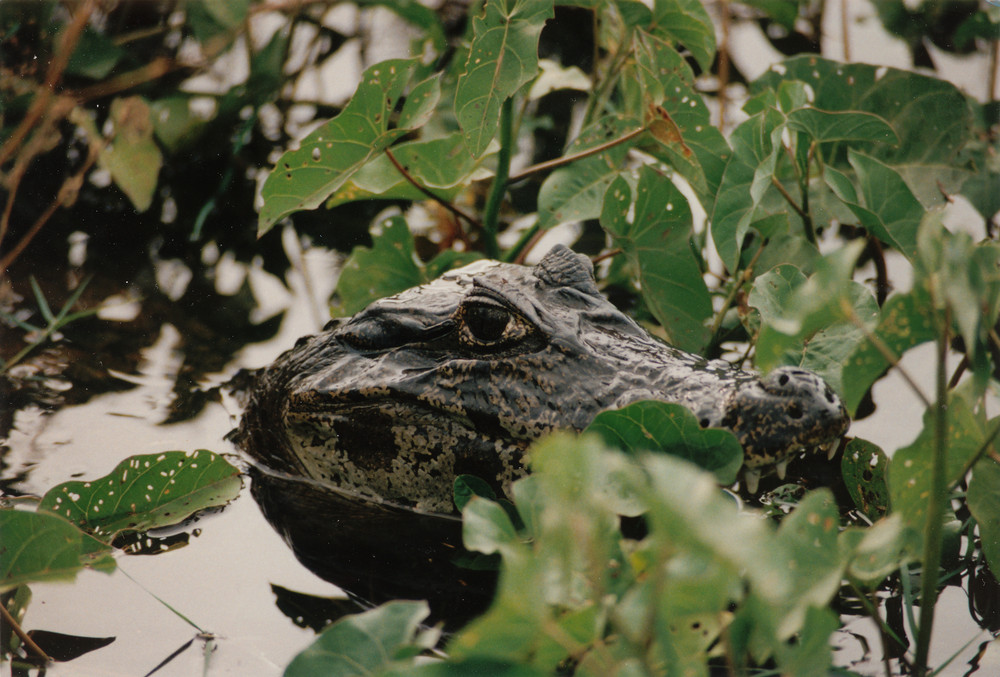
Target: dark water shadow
{"points": [[374, 551]]}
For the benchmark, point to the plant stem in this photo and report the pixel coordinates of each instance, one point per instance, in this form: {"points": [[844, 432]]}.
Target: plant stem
{"points": [[441, 201], [931, 560], [491, 212], [567, 159], [804, 215], [22, 635]]}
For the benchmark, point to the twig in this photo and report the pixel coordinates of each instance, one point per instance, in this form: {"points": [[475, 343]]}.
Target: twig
{"points": [[884, 350], [22, 635], [741, 280], [440, 200], [844, 33], [806, 219], [723, 52], [573, 157], [67, 44], [606, 255]]}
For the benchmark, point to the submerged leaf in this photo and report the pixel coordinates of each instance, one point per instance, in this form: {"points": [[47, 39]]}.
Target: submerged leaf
{"points": [[146, 492], [42, 547]]}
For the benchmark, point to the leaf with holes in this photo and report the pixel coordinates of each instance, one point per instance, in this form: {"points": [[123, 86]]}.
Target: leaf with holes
{"points": [[331, 154], [576, 192], [863, 468], [42, 547], [146, 492], [903, 323], [503, 57], [672, 429], [655, 232]]}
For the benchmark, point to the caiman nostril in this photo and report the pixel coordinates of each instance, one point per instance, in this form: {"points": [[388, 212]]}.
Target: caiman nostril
{"points": [[794, 410], [783, 380]]}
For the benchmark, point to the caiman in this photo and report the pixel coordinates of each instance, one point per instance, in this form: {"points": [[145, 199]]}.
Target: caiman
{"points": [[458, 376]]}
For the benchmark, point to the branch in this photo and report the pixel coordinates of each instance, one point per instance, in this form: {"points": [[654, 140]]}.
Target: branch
{"points": [[440, 200], [567, 159]]}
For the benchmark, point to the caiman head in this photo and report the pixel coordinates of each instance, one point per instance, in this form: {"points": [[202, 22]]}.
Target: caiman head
{"points": [[460, 375]]}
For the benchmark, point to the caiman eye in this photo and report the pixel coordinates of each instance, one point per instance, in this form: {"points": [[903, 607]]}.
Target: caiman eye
{"points": [[486, 323]]}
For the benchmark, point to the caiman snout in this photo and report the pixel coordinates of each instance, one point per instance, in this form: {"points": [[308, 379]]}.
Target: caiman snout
{"points": [[782, 413]]}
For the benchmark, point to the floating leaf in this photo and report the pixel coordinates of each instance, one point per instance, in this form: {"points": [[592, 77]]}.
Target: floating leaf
{"points": [[145, 492], [42, 547], [655, 233], [503, 57], [368, 643], [672, 429], [331, 154]]}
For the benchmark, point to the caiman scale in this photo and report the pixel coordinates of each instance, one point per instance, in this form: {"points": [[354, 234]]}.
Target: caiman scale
{"points": [[460, 375]]}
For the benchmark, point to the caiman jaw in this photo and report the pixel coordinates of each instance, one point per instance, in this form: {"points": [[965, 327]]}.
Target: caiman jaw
{"points": [[787, 412]]}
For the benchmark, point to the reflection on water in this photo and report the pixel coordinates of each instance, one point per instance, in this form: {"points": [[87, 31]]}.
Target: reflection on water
{"points": [[374, 551]]}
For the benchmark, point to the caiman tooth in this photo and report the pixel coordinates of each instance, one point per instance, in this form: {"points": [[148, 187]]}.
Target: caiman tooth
{"points": [[781, 467], [751, 478], [831, 450]]}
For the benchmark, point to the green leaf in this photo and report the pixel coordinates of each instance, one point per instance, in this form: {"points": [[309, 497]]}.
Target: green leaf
{"points": [[331, 154], [910, 470], [229, 13], [442, 165], [811, 655], [984, 504], [388, 268], [146, 492], [825, 126], [681, 123], [806, 322], [672, 429], [891, 212], [419, 15], [785, 12], [655, 233], [42, 547], [487, 528], [95, 55], [746, 183], [687, 22], [132, 156], [174, 124], [863, 468], [369, 643], [930, 117], [576, 192], [467, 486], [503, 58], [904, 323]]}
